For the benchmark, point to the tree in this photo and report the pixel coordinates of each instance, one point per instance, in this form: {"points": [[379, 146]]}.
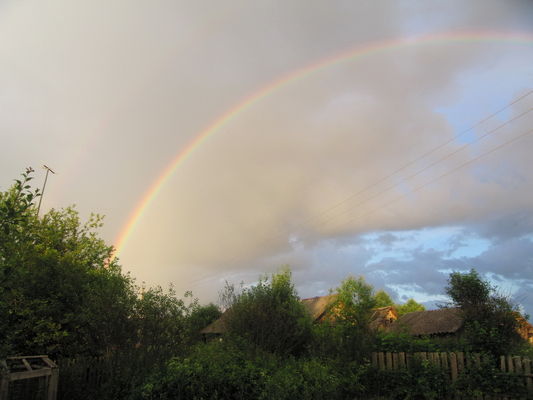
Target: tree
{"points": [[355, 301], [59, 293], [383, 299], [269, 315], [349, 336], [490, 318], [409, 306]]}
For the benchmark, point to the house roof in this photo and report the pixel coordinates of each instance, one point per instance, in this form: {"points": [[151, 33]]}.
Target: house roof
{"points": [[444, 320], [382, 317], [318, 306], [218, 326]]}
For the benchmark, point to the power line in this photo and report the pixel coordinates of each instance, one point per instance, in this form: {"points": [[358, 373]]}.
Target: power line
{"points": [[410, 163], [451, 171], [434, 163]]}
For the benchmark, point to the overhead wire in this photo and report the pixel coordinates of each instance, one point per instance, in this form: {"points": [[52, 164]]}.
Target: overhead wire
{"points": [[494, 149], [416, 160], [438, 161]]}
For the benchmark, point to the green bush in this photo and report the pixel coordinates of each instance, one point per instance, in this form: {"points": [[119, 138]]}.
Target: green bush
{"points": [[217, 370], [421, 381], [270, 315], [487, 380], [234, 370]]}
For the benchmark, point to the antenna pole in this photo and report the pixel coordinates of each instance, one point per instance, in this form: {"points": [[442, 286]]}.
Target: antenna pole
{"points": [[48, 169]]}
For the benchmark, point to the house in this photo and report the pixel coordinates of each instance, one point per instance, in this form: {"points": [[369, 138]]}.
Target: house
{"points": [[441, 322], [321, 312], [446, 322]]}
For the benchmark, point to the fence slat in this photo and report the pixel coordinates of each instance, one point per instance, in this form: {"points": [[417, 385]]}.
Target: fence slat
{"points": [[518, 364], [453, 366], [381, 360], [395, 361], [510, 367], [444, 360], [388, 356], [460, 361], [401, 358]]}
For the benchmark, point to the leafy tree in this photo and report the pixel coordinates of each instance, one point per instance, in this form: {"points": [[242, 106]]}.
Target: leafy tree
{"points": [[490, 318], [383, 299], [270, 315], [355, 301], [350, 336], [409, 306]]}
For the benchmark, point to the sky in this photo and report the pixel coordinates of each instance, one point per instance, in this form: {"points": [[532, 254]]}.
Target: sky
{"points": [[223, 140]]}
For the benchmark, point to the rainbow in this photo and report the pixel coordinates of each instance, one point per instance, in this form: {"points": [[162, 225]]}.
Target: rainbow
{"points": [[301, 73]]}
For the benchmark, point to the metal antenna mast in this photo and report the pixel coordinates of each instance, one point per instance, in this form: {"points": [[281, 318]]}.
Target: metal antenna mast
{"points": [[48, 169]]}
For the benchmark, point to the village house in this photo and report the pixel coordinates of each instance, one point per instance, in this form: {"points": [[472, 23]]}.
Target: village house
{"points": [[321, 312], [445, 322]]}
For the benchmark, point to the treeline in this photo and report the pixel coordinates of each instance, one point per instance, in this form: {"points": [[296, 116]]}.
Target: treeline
{"points": [[63, 294]]}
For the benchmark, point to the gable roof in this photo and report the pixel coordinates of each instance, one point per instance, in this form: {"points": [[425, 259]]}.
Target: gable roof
{"points": [[318, 306], [383, 317], [432, 322]]}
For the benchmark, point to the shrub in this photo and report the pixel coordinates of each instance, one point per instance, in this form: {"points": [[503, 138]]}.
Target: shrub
{"points": [[271, 316]]}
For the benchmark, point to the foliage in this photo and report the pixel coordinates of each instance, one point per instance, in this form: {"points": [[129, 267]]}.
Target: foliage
{"points": [[490, 318], [486, 379], [355, 301], [233, 370], [422, 381], [198, 318], [58, 293], [409, 306], [350, 336], [271, 316], [383, 299], [403, 342], [217, 370]]}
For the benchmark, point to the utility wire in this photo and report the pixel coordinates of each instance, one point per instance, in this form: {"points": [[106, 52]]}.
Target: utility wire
{"points": [[521, 136], [410, 163], [478, 139]]}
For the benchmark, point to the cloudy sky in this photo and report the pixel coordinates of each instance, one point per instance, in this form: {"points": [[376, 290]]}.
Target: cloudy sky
{"points": [[390, 139]]}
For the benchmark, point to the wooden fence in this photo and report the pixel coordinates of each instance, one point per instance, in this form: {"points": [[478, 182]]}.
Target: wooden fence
{"points": [[455, 363], [28, 378]]}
